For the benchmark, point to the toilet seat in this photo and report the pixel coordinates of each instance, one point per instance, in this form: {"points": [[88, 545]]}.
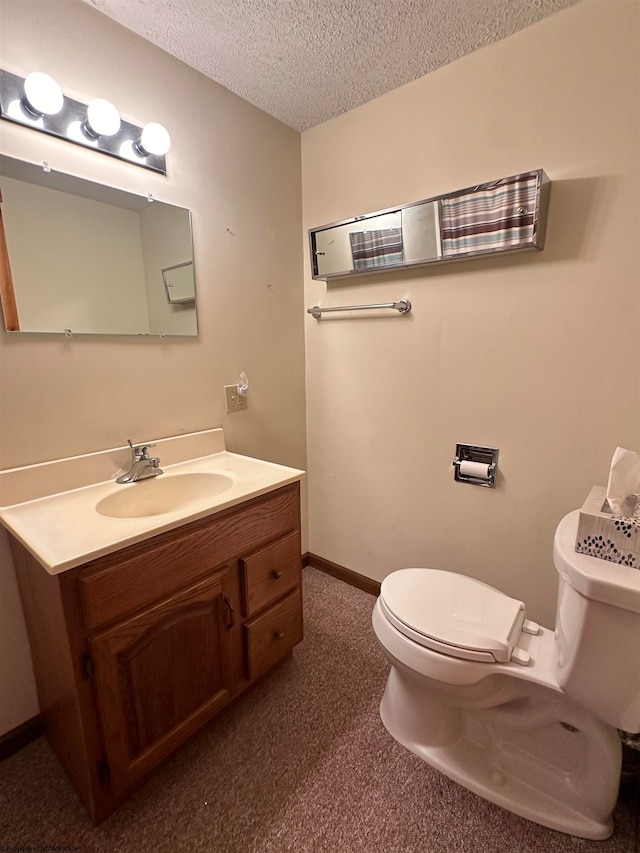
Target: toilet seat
{"points": [[455, 615]]}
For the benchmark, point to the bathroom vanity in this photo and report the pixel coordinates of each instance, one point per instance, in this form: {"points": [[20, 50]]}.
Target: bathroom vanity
{"points": [[136, 649]]}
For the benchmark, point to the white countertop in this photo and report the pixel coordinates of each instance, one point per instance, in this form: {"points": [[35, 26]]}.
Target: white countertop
{"points": [[64, 529]]}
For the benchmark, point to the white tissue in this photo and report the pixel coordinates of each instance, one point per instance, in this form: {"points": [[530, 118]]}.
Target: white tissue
{"points": [[624, 478], [474, 469]]}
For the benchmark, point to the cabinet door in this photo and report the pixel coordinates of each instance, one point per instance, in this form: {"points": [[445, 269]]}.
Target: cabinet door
{"points": [[161, 674]]}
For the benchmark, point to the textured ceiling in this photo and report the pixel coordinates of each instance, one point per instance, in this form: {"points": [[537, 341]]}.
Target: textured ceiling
{"points": [[306, 61]]}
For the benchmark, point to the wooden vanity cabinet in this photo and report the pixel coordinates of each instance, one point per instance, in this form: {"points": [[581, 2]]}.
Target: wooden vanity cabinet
{"points": [[136, 651]]}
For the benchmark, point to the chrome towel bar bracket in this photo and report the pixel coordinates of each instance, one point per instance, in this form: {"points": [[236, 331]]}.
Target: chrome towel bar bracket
{"points": [[403, 306]]}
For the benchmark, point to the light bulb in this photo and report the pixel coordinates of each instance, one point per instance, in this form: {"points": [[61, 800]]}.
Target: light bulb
{"points": [[103, 119], [154, 140], [42, 94], [75, 132]]}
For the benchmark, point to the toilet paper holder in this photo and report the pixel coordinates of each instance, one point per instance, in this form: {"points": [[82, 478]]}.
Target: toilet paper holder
{"points": [[482, 468]]}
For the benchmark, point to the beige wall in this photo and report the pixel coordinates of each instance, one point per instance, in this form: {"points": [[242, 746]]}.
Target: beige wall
{"points": [[536, 354], [238, 170]]}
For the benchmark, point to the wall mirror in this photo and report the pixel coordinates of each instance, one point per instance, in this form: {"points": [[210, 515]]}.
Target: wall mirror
{"points": [[506, 215], [82, 258]]}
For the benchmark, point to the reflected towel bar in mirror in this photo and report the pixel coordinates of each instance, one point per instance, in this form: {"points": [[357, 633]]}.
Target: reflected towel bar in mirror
{"points": [[403, 306]]}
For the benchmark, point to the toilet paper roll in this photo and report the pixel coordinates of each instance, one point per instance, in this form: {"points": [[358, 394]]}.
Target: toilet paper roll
{"points": [[474, 469]]}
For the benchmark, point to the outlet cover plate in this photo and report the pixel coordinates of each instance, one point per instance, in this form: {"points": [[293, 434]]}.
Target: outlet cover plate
{"points": [[234, 402]]}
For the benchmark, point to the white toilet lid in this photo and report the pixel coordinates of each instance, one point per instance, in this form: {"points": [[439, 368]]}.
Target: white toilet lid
{"points": [[452, 614]]}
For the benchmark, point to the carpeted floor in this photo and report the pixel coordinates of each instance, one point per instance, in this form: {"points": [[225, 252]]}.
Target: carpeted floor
{"points": [[301, 763]]}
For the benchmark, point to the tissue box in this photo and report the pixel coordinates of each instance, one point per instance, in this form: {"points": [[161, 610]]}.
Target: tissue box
{"points": [[610, 537]]}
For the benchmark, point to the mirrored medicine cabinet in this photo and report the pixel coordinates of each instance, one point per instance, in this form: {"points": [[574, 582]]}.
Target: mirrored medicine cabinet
{"points": [[82, 258], [505, 215]]}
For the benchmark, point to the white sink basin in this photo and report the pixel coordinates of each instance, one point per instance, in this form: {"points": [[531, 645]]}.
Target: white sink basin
{"points": [[69, 511], [159, 495]]}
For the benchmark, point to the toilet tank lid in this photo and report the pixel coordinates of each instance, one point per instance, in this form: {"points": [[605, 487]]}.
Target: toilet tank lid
{"points": [[455, 610], [596, 579]]}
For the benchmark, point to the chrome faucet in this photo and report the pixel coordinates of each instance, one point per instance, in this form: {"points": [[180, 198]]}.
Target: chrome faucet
{"points": [[143, 466]]}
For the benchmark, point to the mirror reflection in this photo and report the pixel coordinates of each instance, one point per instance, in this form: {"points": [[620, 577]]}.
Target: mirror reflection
{"points": [[89, 259], [180, 283], [505, 215]]}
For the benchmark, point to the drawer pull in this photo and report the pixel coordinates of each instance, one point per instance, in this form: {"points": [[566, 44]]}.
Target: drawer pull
{"points": [[276, 574], [231, 618], [278, 635]]}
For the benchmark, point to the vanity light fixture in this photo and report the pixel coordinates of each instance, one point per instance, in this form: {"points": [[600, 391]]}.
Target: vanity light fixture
{"points": [[37, 101]]}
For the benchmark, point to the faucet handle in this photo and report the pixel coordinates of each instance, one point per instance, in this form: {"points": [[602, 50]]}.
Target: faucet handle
{"points": [[139, 451]]}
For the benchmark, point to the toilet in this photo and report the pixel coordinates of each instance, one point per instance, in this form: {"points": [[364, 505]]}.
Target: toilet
{"points": [[519, 714]]}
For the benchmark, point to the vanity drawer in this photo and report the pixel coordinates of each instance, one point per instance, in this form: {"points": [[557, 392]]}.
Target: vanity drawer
{"points": [[274, 634], [117, 585], [271, 572]]}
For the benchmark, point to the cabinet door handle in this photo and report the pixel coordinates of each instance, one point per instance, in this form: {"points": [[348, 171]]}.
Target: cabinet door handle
{"points": [[276, 574], [278, 635], [231, 617]]}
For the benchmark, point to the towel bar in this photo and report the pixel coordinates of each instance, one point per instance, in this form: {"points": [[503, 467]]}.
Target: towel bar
{"points": [[403, 306]]}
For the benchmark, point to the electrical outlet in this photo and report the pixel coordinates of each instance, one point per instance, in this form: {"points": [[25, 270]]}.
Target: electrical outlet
{"points": [[234, 402]]}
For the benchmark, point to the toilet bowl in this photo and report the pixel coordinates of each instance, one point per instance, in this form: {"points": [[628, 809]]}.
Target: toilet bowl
{"points": [[519, 714]]}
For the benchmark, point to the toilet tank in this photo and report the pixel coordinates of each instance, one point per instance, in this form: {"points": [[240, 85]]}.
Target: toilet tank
{"points": [[597, 631]]}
